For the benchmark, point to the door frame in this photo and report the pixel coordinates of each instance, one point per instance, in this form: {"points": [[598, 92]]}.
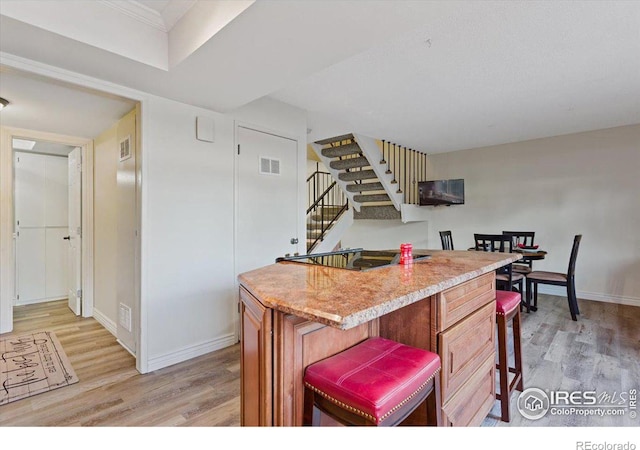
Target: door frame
{"points": [[7, 222]]}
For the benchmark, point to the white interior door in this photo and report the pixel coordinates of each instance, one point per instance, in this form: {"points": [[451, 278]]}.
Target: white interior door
{"points": [[267, 198], [75, 231]]}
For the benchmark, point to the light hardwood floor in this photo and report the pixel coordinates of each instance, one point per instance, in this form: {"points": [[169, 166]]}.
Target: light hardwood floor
{"points": [[601, 352]]}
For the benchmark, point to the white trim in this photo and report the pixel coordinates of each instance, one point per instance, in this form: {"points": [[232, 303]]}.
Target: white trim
{"points": [[79, 79], [7, 238], [103, 320], [191, 351], [139, 12], [583, 295], [33, 301]]}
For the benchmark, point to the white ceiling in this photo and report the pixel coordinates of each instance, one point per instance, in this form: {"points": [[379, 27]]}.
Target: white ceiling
{"points": [[432, 75]]}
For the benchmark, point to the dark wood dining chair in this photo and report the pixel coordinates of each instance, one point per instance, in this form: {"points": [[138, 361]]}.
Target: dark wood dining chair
{"points": [[557, 279], [506, 277], [446, 239], [525, 238]]}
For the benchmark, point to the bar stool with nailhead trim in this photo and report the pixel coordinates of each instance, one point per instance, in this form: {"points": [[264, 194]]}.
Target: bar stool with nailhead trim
{"points": [[508, 309], [378, 382]]}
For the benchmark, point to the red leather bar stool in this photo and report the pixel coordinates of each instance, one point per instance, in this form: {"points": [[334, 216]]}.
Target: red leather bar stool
{"points": [[508, 309], [378, 382]]}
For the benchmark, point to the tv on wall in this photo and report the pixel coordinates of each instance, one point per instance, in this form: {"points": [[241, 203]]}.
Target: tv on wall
{"points": [[441, 192]]}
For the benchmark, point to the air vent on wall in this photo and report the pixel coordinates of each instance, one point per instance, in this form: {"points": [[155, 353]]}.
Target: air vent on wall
{"points": [[125, 148], [124, 316], [269, 166]]}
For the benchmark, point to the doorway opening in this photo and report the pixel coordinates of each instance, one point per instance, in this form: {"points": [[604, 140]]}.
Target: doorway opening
{"points": [[48, 222]]}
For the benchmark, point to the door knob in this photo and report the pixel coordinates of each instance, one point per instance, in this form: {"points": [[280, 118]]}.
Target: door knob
{"points": [[294, 240], [67, 238]]}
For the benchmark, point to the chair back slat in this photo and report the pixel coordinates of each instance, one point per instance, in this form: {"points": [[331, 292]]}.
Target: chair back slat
{"points": [[446, 239], [493, 242], [574, 255], [496, 243], [521, 237]]}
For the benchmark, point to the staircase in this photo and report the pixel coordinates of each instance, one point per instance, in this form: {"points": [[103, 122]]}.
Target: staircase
{"points": [[350, 167], [378, 185]]}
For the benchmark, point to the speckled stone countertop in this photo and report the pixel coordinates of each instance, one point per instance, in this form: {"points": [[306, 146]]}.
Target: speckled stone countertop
{"points": [[344, 298]]}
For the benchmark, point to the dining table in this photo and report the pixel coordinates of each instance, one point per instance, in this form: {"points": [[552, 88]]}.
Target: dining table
{"points": [[529, 255]]}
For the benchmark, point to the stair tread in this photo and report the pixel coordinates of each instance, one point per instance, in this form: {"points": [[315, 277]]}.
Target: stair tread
{"points": [[362, 187], [362, 198], [357, 175], [350, 163], [342, 150], [377, 212], [331, 140]]}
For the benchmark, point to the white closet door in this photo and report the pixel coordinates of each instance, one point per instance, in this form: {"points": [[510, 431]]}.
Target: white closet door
{"points": [[30, 190], [267, 198], [41, 223], [31, 266], [56, 203], [56, 262], [74, 248]]}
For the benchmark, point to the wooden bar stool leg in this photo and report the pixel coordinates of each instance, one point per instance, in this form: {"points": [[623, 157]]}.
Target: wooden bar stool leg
{"points": [[517, 351], [503, 368]]}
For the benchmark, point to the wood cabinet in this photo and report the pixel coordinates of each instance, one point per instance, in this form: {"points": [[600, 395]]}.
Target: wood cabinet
{"points": [[256, 362], [457, 323], [467, 347]]}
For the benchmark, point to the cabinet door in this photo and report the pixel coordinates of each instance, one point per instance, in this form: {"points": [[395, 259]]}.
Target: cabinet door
{"points": [[470, 405], [464, 347], [256, 364]]}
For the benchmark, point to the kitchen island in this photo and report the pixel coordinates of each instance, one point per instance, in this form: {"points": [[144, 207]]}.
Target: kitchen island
{"points": [[294, 314]]}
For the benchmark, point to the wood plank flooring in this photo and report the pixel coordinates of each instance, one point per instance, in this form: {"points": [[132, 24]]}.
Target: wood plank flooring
{"points": [[601, 351], [204, 391]]}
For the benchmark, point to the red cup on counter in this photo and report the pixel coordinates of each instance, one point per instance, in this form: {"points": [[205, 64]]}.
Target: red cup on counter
{"points": [[406, 253]]}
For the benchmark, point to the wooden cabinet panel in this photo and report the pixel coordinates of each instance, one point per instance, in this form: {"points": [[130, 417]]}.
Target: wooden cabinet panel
{"points": [[297, 344], [464, 347], [471, 404], [412, 324], [460, 301], [255, 362]]}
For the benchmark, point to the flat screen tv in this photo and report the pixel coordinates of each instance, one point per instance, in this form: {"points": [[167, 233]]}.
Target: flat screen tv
{"points": [[441, 192]]}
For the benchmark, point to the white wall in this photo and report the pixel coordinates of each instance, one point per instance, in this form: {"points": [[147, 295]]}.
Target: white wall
{"points": [[188, 283], [187, 267], [586, 183], [385, 234], [105, 226]]}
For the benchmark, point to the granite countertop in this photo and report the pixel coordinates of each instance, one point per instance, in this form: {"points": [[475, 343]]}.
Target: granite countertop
{"points": [[344, 299]]}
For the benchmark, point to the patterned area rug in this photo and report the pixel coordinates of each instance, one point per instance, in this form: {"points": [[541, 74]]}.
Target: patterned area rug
{"points": [[32, 363]]}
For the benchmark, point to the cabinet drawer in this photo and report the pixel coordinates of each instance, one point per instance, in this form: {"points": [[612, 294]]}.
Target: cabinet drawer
{"points": [[471, 404], [464, 347], [460, 301]]}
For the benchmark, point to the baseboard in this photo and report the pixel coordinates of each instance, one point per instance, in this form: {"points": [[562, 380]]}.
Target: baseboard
{"points": [[607, 298], [38, 300], [193, 351], [103, 320]]}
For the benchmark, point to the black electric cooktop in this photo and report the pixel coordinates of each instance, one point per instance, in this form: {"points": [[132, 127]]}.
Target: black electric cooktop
{"points": [[351, 259]]}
